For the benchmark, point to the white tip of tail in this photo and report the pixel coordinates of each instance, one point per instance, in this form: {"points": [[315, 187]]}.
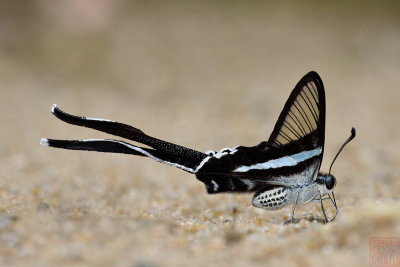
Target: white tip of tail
{"points": [[44, 142], [53, 108]]}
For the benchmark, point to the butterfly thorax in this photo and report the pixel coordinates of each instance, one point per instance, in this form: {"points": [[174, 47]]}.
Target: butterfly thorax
{"points": [[322, 185]]}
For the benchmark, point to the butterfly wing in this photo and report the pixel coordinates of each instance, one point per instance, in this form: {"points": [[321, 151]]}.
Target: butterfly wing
{"points": [[291, 156], [302, 120]]}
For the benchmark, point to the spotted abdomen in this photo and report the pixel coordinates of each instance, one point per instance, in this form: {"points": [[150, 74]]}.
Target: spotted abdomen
{"points": [[272, 199]]}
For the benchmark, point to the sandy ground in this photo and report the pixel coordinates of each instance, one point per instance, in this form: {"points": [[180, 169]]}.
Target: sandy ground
{"points": [[206, 76]]}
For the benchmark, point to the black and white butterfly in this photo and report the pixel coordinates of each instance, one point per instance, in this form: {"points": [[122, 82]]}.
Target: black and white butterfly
{"points": [[281, 171]]}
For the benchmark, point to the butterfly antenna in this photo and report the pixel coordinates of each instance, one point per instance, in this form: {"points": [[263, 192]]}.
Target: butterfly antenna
{"points": [[353, 134]]}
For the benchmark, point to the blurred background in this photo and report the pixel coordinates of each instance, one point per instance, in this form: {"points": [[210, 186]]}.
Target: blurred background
{"points": [[203, 74]]}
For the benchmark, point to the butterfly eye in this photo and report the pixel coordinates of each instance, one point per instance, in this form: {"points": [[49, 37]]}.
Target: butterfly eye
{"points": [[330, 182]]}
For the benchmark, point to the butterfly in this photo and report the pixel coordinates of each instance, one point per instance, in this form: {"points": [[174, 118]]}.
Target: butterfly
{"points": [[285, 170]]}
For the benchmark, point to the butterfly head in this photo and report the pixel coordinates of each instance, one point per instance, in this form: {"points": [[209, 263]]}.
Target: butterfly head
{"points": [[327, 183]]}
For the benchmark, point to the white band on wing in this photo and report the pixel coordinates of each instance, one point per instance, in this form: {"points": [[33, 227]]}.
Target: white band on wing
{"points": [[282, 162]]}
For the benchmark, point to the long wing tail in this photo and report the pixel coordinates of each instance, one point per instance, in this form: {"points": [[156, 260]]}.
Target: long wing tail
{"points": [[168, 153]]}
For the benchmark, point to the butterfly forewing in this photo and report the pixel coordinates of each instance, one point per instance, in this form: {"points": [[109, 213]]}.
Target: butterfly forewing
{"points": [[301, 124]]}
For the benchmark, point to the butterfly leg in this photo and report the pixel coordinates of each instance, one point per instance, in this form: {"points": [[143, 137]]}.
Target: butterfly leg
{"points": [[323, 210], [333, 201], [294, 206]]}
